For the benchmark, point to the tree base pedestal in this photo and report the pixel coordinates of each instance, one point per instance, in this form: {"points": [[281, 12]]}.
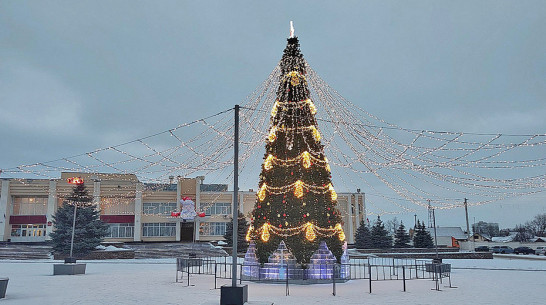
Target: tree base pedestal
{"points": [[230, 295], [68, 269], [3, 287], [70, 260]]}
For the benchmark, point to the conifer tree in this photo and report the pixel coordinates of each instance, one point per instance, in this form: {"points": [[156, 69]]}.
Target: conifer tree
{"points": [[421, 237], [242, 226], [90, 230], [380, 236], [363, 237], [402, 238], [296, 199]]}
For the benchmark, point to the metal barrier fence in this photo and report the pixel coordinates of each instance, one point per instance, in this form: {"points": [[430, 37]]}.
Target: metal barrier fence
{"points": [[371, 269]]}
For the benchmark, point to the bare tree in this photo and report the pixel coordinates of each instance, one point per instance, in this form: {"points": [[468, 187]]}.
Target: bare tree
{"points": [[522, 233], [392, 225], [538, 225]]}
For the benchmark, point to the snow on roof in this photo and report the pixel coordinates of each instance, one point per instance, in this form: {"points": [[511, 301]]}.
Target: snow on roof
{"points": [[503, 239], [455, 232]]}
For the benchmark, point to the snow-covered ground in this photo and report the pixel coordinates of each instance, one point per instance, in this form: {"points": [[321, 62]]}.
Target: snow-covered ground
{"points": [[502, 280]]}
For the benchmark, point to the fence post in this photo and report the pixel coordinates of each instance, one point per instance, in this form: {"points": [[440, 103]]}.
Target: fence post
{"points": [[435, 274], [404, 276], [287, 287], [177, 264], [215, 265], [334, 280], [370, 275], [241, 274]]}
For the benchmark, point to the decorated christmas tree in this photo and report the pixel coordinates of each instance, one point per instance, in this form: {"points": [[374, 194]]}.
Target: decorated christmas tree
{"points": [[296, 199]]}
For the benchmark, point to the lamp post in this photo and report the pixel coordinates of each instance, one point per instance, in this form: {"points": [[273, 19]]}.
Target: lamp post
{"points": [[234, 294], [71, 259]]}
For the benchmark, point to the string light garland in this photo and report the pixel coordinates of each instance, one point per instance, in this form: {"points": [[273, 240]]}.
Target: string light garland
{"points": [[298, 187], [412, 166], [310, 231]]}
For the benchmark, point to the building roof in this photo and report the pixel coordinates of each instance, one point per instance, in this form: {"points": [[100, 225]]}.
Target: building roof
{"points": [[213, 187], [484, 236], [455, 232]]}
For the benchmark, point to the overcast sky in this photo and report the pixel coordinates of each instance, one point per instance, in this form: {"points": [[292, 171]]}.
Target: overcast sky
{"points": [[78, 75]]}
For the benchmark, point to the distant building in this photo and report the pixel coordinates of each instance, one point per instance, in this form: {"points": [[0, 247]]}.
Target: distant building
{"points": [[486, 228], [136, 211], [480, 237], [447, 235]]}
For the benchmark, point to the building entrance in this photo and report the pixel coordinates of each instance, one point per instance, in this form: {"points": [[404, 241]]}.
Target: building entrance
{"points": [[28, 233], [186, 231]]}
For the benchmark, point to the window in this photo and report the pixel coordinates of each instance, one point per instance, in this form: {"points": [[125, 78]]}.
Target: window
{"points": [[27, 230], [213, 228], [159, 229], [218, 208], [120, 230], [23, 205], [159, 208]]}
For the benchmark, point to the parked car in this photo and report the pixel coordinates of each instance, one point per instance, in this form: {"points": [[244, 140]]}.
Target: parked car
{"points": [[524, 250], [502, 249], [482, 249], [540, 250]]}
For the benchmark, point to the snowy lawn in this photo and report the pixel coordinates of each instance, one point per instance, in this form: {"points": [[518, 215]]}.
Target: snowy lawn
{"points": [[521, 281]]}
